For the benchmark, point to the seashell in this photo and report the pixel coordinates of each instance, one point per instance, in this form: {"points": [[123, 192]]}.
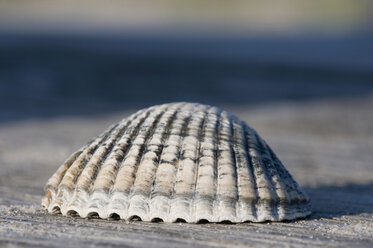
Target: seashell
{"points": [[177, 162]]}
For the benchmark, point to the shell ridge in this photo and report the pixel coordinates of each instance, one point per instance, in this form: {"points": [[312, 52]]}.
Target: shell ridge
{"points": [[106, 137], [128, 154], [87, 177], [236, 160], [205, 188], [183, 133], [251, 172], [117, 135], [88, 150], [216, 152], [143, 148], [56, 178], [97, 197], [164, 185], [247, 193], [283, 196], [68, 179], [82, 189], [113, 142], [148, 133], [290, 210], [269, 173], [223, 204], [265, 188], [182, 203], [165, 136], [129, 171], [197, 163], [53, 182], [133, 196], [284, 172]]}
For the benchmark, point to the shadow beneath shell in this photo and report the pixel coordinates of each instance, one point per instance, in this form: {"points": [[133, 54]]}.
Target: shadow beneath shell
{"points": [[336, 201]]}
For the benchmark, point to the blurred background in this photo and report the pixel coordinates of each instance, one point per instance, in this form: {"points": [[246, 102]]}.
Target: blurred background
{"points": [[61, 58]]}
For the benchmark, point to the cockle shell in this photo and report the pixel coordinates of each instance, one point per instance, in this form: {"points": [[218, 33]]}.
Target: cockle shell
{"points": [[177, 162]]}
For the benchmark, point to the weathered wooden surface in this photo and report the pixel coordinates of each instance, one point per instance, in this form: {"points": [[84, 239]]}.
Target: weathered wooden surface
{"points": [[326, 145]]}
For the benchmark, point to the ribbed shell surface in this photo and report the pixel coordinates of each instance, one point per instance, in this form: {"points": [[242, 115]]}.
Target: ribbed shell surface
{"points": [[177, 162]]}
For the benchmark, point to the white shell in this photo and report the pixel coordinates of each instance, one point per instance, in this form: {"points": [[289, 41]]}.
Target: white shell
{"points": [[177, 162]]}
